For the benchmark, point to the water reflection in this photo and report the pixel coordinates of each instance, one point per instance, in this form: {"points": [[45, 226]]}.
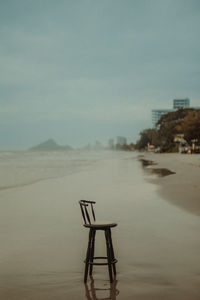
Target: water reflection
{"points": [[158, 171], [94, 293]]}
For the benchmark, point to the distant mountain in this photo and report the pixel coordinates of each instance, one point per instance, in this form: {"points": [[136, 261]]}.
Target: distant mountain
{"points": [[50, 145]]}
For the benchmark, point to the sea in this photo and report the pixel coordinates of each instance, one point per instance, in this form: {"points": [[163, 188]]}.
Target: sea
{"points": [[43, 241]]}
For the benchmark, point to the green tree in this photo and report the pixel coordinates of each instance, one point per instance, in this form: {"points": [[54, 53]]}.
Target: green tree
{"points": [[168, 126], [147, 136], [190, 127], [183, 121]]}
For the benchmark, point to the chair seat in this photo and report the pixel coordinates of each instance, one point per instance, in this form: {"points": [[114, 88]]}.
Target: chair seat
{"points": [[101, 224]]}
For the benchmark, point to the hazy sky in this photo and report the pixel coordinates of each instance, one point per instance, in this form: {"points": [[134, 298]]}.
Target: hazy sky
{"points": [[82, 70]]}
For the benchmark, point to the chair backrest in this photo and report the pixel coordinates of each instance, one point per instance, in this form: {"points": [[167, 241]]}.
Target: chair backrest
{"points": [[87, 211]]}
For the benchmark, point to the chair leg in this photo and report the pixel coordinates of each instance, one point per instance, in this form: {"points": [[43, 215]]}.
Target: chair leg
{"points": [[88, 255], [109, 255], [112, 252], [92, 250]]}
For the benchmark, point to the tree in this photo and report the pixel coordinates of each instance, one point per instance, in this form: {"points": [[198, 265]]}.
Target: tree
{"points": [[147, 136], [183, 121], [169, 126], [190, 127]]}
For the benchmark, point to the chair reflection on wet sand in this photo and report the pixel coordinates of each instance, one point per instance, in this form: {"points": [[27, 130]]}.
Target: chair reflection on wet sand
{"points": [[90, 222], [91, 292]]}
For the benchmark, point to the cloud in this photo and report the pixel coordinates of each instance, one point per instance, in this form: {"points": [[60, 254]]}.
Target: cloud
{"points": [[99, 63]]}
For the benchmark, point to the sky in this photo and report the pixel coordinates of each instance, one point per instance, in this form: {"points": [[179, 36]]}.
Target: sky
{"points": [[79, 71]]}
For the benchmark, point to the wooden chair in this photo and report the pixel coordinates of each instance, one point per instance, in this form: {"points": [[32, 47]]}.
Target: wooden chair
{"points": [[87, 209]]}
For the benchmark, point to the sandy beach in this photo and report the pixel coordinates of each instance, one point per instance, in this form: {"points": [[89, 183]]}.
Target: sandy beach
{"points": [[182, 188], [43, 242]]}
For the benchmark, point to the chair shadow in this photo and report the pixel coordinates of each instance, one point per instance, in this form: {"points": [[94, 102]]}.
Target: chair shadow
{"points": [[91, 291]]}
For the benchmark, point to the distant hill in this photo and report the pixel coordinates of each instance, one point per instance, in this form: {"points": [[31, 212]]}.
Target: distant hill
{"points": [[50, 145]]}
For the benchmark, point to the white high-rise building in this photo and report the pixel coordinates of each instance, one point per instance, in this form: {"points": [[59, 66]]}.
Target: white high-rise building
{"points": [[121, 140], [177, 103], [158, 113], [181, 103]]}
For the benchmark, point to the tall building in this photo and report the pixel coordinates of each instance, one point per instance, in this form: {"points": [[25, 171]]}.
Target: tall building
{"points": [[158, 113], [181, 103], [111, 144], [121, 140], [177, 103]]}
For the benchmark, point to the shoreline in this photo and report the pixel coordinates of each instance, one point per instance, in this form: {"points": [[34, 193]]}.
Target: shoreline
{"points": [[181, 185], [44, 242]]}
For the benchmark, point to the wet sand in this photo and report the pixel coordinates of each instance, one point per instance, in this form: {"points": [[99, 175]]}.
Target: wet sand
{"points": [[182, 188], [43, 242]]}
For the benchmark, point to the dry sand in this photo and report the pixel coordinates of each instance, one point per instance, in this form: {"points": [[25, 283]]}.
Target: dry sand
{"points": [[43, 242]]}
